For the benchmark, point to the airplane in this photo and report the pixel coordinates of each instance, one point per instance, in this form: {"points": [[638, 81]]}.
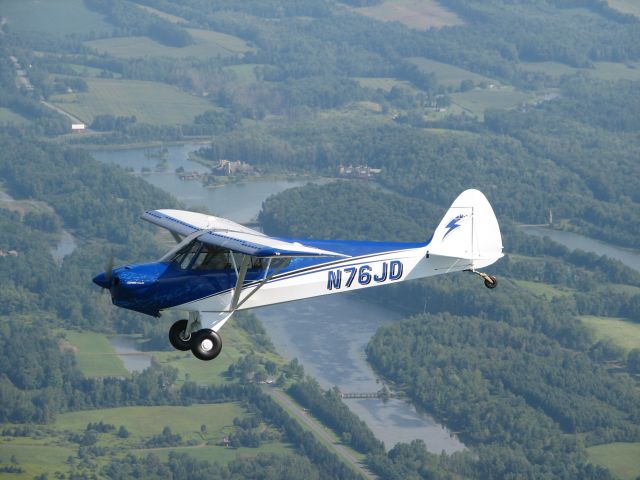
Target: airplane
{"points": [[219, 267]]}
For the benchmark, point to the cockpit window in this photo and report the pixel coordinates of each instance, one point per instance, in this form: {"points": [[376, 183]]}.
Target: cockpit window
{"points": [[200, 256]]}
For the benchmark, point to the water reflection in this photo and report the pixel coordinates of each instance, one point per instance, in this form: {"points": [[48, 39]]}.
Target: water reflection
{"points": [[129, 352]]}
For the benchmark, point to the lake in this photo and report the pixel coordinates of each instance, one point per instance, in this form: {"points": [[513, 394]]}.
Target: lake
{"points": [[327, 334]]}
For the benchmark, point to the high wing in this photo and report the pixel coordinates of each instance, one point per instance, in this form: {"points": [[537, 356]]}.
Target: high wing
{"points": [[224, 233]]}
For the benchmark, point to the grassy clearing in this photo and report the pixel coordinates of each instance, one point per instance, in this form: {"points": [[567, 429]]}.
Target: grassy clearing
{"points": [[449, 75], [620, 458], [381, 83], [621, 331], [207, 44], [34, 459], [144, 422], [626, 6], [477, 101], [150, 102], [8, 116], [543, 289], [161, 14], [244, 72], [418, 14], [553, 69], [95, 355], [53, 16]]}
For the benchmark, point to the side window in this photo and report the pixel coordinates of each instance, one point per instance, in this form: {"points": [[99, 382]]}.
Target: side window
{"points": [[212, 258], [186, 260]]}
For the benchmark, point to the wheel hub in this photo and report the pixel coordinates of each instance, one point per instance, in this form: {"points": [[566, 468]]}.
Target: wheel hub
{"points": [[206, 345]]}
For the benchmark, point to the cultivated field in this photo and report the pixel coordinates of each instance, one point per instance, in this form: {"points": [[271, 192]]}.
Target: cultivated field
{"points": [[622, 332], [208, 44], [620, 458], [381, 83], [475, 102], [418, 14], [449, 75], [53, 16], [151, 102]]}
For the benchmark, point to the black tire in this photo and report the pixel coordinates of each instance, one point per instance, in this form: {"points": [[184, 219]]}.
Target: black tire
{"points": [[176, 338], [491, 282], [206, 344]]}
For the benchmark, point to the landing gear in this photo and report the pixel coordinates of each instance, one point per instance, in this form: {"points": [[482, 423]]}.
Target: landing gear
{"points": [[206, 344], [179, 337], [490, 281]]}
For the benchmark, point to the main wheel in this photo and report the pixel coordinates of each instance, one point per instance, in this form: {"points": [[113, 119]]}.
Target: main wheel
{"points": [[177, 335], [206, 344], [491, 282]]}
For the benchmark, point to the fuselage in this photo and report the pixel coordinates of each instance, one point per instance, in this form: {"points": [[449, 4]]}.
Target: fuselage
{"points": [[177, 284]]}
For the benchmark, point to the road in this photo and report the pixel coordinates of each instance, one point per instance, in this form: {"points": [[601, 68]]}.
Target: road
{"points": [[61, 111], [318, 430]]}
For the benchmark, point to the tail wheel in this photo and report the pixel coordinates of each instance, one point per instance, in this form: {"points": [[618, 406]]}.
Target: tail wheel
{"points": [[490, 281], [206, 344], [178, 335]]}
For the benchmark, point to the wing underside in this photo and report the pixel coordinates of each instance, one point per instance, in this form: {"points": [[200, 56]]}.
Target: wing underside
{"points": [[230, 235]]}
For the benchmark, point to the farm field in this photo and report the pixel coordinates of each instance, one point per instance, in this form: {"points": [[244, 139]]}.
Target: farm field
{"points": [[622, 332], [449, 75], [208, 44], [165, 15], [244, 72], [32, 458], [94, 354], [543, 289], [620, 458], [417, 14], [477, 101], [53, 16], [150, 102]]}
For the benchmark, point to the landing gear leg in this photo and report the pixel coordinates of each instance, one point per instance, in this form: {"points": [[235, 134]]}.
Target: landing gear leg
{"points": [[490, 281]]}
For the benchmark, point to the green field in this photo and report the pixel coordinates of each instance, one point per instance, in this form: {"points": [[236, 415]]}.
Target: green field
{"points": [[95, 355], [475, 102], [418, 14], [244, 72], [151, 102], [144, 422], [449, 75], [620, 458], [207, 44], [161, 14], [622, 332], [543, 289], [52, 16], [34, 459], [8, 116]]}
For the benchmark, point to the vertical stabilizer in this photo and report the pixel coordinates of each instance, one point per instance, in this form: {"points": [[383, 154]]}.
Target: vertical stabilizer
{"points": [[469, 231]]}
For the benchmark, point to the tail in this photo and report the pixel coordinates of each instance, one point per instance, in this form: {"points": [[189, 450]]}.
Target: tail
{"points": [[469, 231]]}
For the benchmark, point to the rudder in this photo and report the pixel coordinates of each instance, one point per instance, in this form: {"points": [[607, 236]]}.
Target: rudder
{"points": [[469, 230]]}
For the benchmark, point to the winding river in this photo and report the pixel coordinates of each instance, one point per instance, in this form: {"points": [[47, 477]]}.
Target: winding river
{"points": [[327, 334]]}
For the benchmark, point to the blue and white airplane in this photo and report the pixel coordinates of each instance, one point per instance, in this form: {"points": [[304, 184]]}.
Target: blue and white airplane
{"points": [[219, 267]]}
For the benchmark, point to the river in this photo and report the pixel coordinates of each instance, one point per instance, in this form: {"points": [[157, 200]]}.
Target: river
{"points": [[574, 241], [341, 324]]}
